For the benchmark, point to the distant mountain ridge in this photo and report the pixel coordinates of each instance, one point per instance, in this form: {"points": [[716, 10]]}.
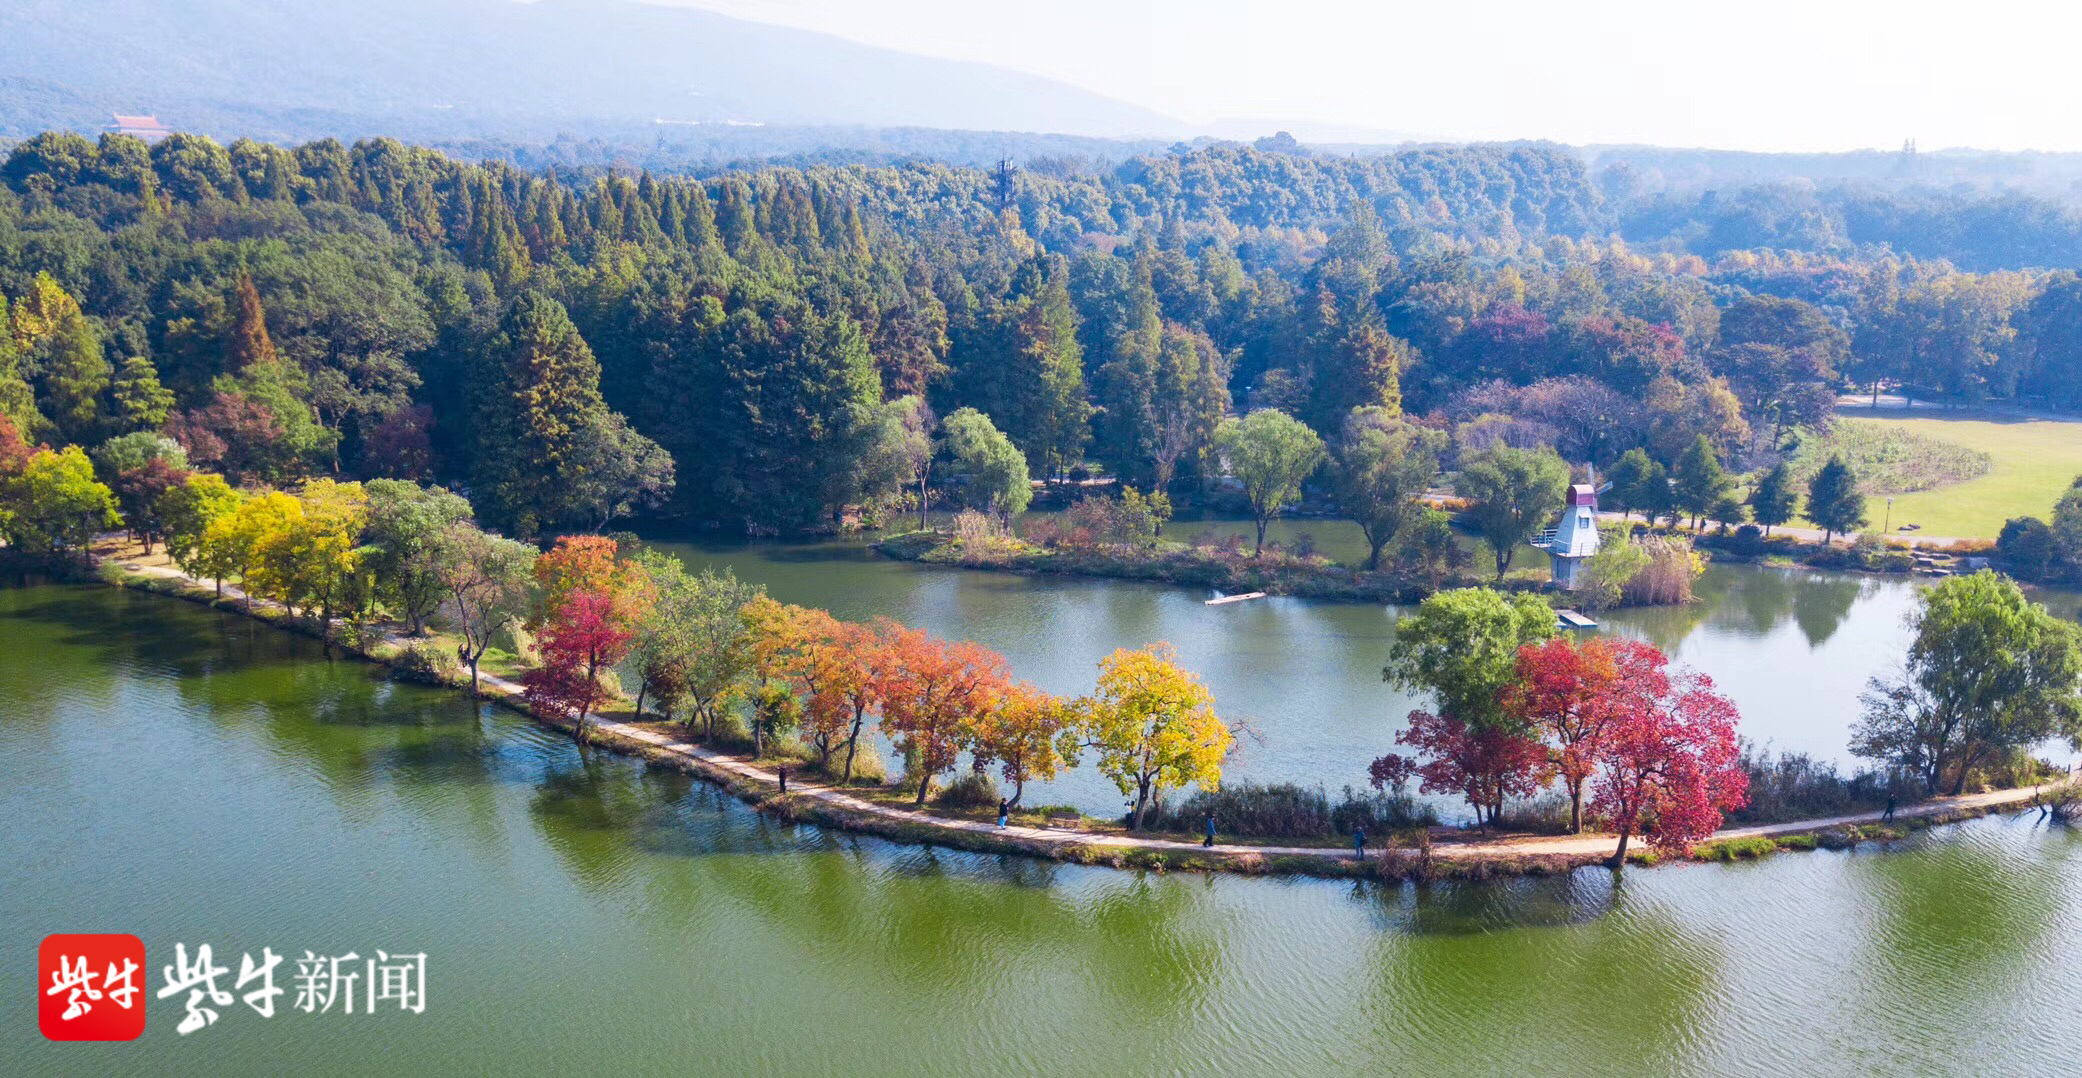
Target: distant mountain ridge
{"points": [[297, 68]]}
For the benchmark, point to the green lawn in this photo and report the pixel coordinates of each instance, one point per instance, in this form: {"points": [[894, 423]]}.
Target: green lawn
{"points": [[2034, 461]]}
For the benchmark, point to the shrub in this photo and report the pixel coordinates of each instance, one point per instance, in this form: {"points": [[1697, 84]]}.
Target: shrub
{"points": [[974, 789], [423, 660], [1737, 849], [971, 526], [1618, 561], [1547, 814], [1130, 520], [515, 639], [869, 768]]}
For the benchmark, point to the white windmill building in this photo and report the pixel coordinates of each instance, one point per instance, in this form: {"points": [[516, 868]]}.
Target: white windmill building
{"points": [[1571, 543]]}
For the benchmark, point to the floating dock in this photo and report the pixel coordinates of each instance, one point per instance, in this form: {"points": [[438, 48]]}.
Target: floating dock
{"points": [[1236, 598], [1570, 619]]}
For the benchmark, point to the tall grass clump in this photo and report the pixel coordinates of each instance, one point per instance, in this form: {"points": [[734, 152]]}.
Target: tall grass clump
{"points": [[1796, 786], [1673, 567], [1286, 810]]}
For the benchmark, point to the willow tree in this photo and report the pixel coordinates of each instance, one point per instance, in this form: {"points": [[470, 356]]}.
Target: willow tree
{"points": [[1271, 453]]}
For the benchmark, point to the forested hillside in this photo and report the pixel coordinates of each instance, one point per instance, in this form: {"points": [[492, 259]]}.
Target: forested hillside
{"points": [[766, 348]]}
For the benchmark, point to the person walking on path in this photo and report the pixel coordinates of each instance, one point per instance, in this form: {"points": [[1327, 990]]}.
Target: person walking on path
{"points": [[1210, 830], [1359, 844], [1889, 814], [1004, 811], [782, 771]]}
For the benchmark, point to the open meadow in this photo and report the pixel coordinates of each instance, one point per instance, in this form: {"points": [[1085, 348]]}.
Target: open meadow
{"points": [[2031, 459]]}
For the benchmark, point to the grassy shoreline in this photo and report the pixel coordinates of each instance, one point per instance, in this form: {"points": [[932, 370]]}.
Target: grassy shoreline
{"points": [[1428, 855]]}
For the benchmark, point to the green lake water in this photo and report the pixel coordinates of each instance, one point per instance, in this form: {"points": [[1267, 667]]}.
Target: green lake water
{"points": [[192, 777]]}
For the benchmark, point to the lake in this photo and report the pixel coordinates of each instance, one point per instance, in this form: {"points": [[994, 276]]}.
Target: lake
{"points": [[193, 777]]}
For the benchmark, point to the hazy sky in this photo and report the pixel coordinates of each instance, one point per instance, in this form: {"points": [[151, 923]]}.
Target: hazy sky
{"points": [[1764, 74]]}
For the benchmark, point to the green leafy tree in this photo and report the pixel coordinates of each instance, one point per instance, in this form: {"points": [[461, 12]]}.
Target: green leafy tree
{"points": [[2027, 548], [1461, 646], [1988, 673], [75, 374], [1024, 366], [2065, 530], [1426, 546], [551, 451], [186, 513], [1833, 500], [1618, 561], [1383, 467], [1728, 511], [17, 397], [718, 643], [141, 403], [1774, 500], [898, 457], [1271, 453], [996, 469], [1515, 492], [407, 531], [486, 581], [55, 505]]}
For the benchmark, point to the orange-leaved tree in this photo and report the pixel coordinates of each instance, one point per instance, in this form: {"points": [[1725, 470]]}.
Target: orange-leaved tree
{"points": [[852, 683], [576, 563], [795, 647], [931, 689], [1030, 734]]}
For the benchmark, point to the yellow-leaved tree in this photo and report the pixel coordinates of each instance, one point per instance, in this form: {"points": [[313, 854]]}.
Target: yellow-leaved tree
{"points": [[233, 542], [1154, 726]]}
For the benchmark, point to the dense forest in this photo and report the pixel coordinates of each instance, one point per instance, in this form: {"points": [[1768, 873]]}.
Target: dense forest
{"points": [[768, 347]]}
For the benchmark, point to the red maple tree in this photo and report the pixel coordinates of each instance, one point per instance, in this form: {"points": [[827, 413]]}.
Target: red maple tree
{"points": [[583, 637], [1668, 767], [1572, 692], [1482, 765]]}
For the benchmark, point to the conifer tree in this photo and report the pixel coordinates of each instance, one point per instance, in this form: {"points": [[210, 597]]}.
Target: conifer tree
{"points": [[1772, 503], [74, 375], [141, 403], [542, 391], [1833, 500], [1698, 480]]}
